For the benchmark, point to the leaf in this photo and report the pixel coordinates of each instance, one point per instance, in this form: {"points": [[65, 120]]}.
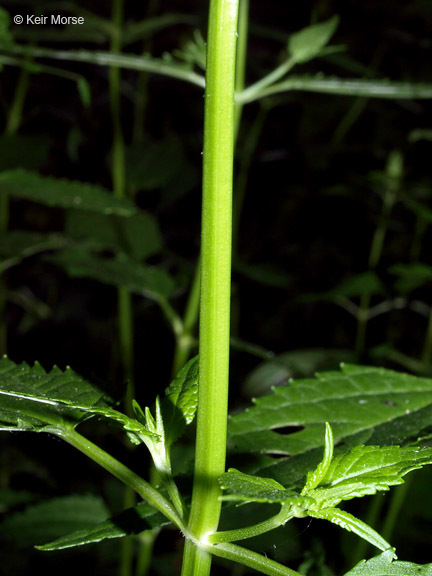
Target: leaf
{"points": [[411, 276], [62, 193], [383, 565], [181, 401], [32, 399], [132, 521], [152, 165], [365, 470], [297, 363], [309, 42], [139, 235], [247, 488], [54, 518], [147, 281], [194, 52], [352, 524], [362, 404], [351, 287]]}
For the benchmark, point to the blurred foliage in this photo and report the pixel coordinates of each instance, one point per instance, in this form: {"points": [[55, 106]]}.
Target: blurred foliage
{"points": [[333, 251]]}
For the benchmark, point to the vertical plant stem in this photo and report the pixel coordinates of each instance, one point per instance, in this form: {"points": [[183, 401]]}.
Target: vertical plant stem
{"points": [[125, 322], [394, 172], [185, 340], [124, 299], [12, 125], [241, 57], [215, 281]]}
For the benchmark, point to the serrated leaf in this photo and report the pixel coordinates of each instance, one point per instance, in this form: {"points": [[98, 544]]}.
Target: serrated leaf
{"points": [[365, 470], [297, 363], [355, 401], [309, 42], [383, 565], [139, 235], [181, 401], [54, 518], [144, 280], [132, 521], [32, 399], [62, 193]]}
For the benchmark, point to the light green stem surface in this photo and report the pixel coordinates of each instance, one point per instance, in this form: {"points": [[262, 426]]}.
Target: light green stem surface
{"points": [[124, 474], [215, 281]]}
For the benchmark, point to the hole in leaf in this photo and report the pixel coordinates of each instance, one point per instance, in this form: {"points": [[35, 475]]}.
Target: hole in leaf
{"points": [[287, 430]]}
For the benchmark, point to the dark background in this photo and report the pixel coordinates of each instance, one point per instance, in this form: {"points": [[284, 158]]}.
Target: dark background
{"points": [[316, 185]]}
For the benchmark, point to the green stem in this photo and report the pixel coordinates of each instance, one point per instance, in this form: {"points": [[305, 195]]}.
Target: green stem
{"points": [[241, 58], [255, 91], [398, 497], [251, 531], [394, 172], [185, 340], [252, 559], [98, 58], [12, 125], [215, 280], [124, 474], [146, 540]]}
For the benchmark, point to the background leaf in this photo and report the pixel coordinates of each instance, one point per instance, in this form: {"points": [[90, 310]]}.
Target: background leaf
{"points": [[62, 193], [131, 521], [54, 518], [309, 42], [144, 280], [138, 236]]}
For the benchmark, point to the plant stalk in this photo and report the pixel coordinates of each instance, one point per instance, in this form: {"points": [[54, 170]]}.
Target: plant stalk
{"points": [[124, 474], [215, 281], [12, 126]]}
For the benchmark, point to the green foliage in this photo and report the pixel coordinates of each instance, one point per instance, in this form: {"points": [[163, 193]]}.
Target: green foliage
{"points": [[383, 565], [138, 236], [361, 404], [32, 399], [381, 420], [310, 42], [131, 521], [62, 193], [181, 401], [54, 518], [121, 270]]}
